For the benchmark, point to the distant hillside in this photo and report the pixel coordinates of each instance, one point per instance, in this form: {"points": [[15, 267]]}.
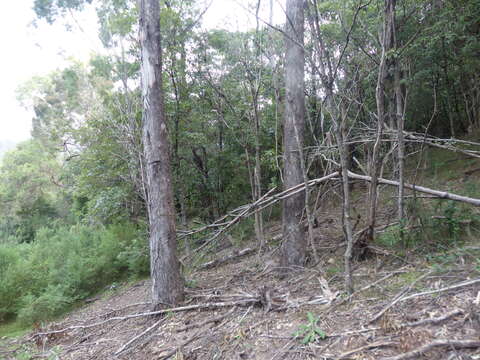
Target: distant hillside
{"points": [[6, 145]]}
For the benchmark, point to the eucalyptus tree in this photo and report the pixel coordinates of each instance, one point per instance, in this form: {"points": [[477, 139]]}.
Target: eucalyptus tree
{"points": [[167, 282], [294, 243]]}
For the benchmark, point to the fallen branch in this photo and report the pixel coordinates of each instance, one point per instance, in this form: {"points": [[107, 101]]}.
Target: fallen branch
{"points": [[347, 299], [236, 254], [456, 344], [436, 320], [147, 331], [366, 347], [430, 321], [398, 298], [196, 335], [245, 211], [453, 287], [243, 302], [186, 342], [208, 321], [234, 221], [440, 194]]}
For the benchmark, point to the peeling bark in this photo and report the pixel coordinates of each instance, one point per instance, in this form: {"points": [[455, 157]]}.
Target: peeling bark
{"points": [[294, 244], [167, 283]]}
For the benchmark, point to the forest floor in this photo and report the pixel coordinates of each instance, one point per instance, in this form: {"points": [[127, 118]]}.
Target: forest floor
{"points": [[408, 304]]}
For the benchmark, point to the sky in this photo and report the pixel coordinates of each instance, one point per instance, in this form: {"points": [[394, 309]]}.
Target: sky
{"points": [[30, 50]]}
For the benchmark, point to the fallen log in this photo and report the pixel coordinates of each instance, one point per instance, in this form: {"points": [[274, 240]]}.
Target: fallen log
{"points": [[422, 189]]}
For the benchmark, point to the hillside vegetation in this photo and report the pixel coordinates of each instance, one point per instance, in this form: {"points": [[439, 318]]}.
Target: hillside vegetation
{"points": [[325, 210]]}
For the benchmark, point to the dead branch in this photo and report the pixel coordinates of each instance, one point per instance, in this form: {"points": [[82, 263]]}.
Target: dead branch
{"points": [[208, 321], [343, 301], [458, 344], [431, 321], [159, 322], [235, 220], [436, 320], [265, 201], [236, 254], [440, 194], [365, 347], [143, 333], [398, 297], [197, 335], [448, 288], [222, 225], [243, 302]]}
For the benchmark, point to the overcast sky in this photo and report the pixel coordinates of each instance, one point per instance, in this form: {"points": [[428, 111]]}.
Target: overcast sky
{"points": [[36, 50]]}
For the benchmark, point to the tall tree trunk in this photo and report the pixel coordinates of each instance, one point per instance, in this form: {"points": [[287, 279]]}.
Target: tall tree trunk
{"points": [[167, 282], [294, 245]]}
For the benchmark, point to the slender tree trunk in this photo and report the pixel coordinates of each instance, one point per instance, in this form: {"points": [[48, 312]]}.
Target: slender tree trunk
{"points": [[257, 173], [167, 282], [294, 245], [381, 115], [400, 121], [400, 103], [257, 177], [341, 134]]}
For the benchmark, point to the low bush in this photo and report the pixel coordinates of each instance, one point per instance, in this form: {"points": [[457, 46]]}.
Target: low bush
{"points": [[64, 264]]}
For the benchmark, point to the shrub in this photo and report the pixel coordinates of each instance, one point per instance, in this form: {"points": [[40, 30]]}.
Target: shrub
{"points": [[64, 264]]}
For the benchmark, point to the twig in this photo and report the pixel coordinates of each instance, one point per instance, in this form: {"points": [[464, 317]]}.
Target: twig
{"points": [[186, 342], [414, 354], [234, 221], [213, 319], [236, 254], [453, 287], [398, 297], [191, 339], [362, 348], [148, 330], [362, 289], [411, 324], [435, 320]]}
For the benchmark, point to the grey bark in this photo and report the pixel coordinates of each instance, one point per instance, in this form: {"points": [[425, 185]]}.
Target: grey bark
{"points": [[255, 85], [375, 161], [294, 244], [339, 119], [167, 282], [401, 142]]}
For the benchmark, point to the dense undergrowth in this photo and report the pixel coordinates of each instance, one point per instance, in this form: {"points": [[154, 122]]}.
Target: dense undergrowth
{"points": [[46, 277]]}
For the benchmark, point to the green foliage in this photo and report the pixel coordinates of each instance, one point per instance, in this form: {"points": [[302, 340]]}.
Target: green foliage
{"points": [[51, 9], [64, 264], [390, 237], [310, 332], [29, 197]]}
